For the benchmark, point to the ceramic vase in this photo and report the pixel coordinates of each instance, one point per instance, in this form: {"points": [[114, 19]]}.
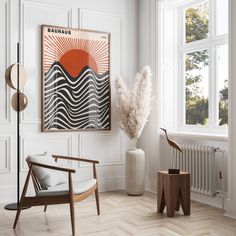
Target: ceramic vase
{"points": [[135, 172]]}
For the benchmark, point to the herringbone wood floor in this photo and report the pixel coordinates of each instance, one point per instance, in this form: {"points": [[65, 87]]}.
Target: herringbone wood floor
{"points": [[122, 215]]}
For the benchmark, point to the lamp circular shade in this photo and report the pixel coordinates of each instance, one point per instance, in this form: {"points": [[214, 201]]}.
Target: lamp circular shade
{"points": [[23, 101], [11, 76]]}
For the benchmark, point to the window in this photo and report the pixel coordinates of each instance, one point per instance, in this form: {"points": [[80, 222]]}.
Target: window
{"points": [[203, 64], [196, 87], [197, 22]]}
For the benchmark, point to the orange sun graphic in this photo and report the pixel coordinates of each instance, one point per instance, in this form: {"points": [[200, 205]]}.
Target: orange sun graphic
{"points": [[75, 60], [74, 54]]}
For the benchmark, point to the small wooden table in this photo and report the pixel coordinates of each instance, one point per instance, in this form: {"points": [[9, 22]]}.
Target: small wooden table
{"points": [[173, 190]]}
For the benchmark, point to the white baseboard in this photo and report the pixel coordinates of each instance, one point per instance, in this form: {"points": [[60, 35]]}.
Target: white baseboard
{"points": [[211, 201], [111, 184], [230, 209], [8, 194], [151, 184]]}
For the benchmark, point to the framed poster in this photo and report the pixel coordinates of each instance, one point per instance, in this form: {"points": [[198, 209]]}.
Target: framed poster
{"points": [[75, 79]]}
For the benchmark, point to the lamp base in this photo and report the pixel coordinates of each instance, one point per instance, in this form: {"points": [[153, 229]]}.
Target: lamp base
{"points": [[14, 207]]}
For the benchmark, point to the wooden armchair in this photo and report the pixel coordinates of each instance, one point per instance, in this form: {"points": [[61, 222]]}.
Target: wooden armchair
{"points": [[60, 196]]}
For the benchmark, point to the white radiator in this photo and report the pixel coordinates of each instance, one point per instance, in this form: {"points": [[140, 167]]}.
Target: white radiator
{"points": [[200, 162]]}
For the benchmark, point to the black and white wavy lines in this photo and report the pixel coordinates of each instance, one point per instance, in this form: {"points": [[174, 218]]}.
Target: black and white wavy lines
{"points": [[76, 103]]}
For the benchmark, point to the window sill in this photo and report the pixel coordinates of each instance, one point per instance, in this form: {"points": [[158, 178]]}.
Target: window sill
{"points": [[216, 137]]}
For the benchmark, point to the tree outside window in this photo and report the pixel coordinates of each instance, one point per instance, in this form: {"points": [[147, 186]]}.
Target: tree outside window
{"points": [[197, 71]]}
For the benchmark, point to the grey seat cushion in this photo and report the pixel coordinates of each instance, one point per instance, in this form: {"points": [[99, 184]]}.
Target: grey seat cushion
{"points": [[63, 189]]}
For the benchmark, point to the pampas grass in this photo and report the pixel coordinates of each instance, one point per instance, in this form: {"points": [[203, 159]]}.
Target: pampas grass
{"points": [[134, 105]]}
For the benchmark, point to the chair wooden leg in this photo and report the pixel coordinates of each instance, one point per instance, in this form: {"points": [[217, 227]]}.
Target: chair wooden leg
{"points": [[22, 197], [72, 207], [72, 216], [45, 208], [17, 215], [97, 201], [96, 191]]}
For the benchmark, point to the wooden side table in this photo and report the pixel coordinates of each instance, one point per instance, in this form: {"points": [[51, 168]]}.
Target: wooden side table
{"points": [[173, 190]]}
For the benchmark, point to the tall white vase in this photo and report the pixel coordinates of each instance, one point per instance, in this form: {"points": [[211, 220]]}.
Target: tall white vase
{"points": [[135, 171]]}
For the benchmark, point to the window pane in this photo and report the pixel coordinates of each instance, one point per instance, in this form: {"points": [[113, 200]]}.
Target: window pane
{"points": [[197, 22], [196, 87], [222, 76], [222, 17]]}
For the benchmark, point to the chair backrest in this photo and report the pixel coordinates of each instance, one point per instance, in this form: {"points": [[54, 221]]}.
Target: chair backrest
{"points": [[44, 178], [37, 186]]}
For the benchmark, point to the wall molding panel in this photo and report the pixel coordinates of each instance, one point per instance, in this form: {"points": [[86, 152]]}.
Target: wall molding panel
{"points": [[108, 148], [39, 145], [5, 153], [5, 42]]}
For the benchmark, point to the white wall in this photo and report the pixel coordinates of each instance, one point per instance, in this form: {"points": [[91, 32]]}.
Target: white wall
{"points": [[149, 141], [21, 20], [231, 201]]}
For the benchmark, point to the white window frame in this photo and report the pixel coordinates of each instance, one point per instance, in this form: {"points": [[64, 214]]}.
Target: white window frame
{"points": [[210, 44]]}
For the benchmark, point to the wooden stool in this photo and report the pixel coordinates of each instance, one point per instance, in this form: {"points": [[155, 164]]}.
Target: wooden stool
{"points": [[173, 190]]}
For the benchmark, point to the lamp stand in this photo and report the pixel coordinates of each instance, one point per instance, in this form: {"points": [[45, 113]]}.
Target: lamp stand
{"points": [[14, 206]]}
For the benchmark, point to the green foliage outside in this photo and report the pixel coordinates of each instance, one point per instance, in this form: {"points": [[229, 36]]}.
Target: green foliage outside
{"points": [[196, 103], [223, 105], [197, 23], [197, 26]]}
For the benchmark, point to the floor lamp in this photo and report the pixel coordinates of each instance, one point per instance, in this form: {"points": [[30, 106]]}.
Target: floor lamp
{"points": [[16, 79]]}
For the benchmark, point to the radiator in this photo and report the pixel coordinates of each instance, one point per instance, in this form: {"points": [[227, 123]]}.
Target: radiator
{"points": [[201, 163]]}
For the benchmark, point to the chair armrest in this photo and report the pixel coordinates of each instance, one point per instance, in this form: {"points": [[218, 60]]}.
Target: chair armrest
{"points": [[51, 167], [75, 159]]}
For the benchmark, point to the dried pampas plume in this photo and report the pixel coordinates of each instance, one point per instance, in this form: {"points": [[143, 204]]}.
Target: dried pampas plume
{"points": [[134, 105]]}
